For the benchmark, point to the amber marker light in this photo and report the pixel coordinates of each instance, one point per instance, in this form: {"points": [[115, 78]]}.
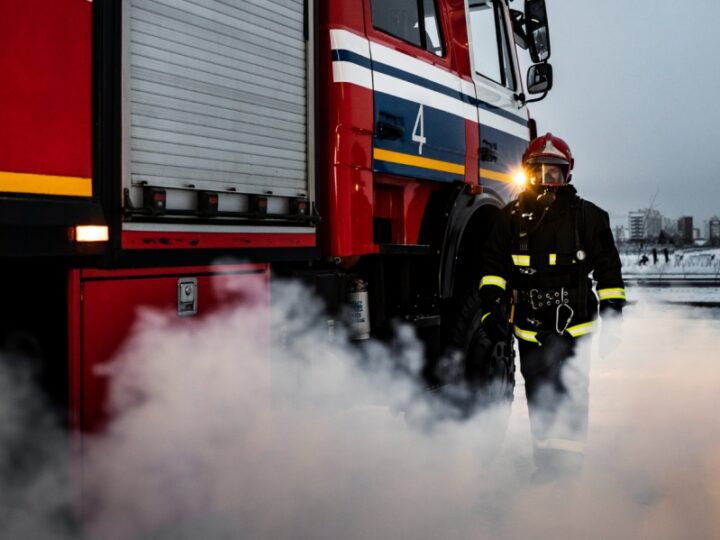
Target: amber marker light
{"points": [[92, 233]]}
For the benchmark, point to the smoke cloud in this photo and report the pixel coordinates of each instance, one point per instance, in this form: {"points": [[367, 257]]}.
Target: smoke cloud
{"points": [[217, 435]]}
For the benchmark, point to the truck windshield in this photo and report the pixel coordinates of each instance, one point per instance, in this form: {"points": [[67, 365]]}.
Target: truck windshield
{"points": [[405, 20], [490, 47]]}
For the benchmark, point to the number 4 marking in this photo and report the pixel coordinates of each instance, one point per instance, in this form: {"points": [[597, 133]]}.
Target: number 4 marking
{"points": [[419, 123]]}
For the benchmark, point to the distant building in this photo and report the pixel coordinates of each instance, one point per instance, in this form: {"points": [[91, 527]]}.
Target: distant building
{"points": [[636, 225], [620, 233], [645, 224], [670, 226], [713, 231], [653, 224], [685, 229]]}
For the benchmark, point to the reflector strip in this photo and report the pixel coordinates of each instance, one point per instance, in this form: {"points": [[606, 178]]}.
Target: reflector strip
{"points": [[608, 294], [526, 335], [498, 176], [493, 280], [484, 316], [575, 331], [417, 161], [521, 260], [553, 259], [581, 329], [567, 445], [45, 184]]}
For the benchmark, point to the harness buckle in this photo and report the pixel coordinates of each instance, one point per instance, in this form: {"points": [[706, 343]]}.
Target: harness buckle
{"points": [[532, 299], [567, 321]]}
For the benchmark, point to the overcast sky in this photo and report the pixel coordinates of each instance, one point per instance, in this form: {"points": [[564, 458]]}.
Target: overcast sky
{"points": [[635, 95]]}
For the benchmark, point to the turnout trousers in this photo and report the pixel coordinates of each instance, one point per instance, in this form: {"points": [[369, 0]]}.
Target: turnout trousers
{"points": [[556, 377]]}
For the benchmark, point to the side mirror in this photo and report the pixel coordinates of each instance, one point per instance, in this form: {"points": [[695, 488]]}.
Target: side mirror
{"points": [[539, 78], [536, 25]]}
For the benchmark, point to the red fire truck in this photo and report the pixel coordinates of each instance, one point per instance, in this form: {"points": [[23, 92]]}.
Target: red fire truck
{"points": [[363, 146]]}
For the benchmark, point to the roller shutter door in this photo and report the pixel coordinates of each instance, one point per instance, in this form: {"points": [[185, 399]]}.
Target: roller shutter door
{"points": [[216, 95]]}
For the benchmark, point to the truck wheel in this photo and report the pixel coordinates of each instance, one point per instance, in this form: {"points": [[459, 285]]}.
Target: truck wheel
{"points": [[488, 368]]}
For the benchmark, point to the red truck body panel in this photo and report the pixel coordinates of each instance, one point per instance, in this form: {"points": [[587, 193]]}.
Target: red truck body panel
{"points": [[45, 97], [105, 306]]}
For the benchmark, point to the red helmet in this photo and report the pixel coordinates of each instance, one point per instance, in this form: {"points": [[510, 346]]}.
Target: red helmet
{"points": [[548, 161]]}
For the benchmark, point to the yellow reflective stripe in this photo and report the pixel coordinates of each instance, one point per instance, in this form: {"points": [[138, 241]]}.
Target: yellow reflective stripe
{"points": [[45, 184], [494, 175], [567, 445], [484, 316], [575, 331], [417, 161], [581, 329], [493, 280], [526, 335], [553, 259], [521, 260], [609, 294]]}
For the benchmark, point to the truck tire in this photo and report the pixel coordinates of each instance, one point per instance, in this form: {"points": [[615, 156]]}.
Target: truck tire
{"points": [[488, 367]]}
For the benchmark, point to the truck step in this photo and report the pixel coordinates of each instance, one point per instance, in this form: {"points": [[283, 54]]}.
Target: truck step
{"points": [[423, 321]]}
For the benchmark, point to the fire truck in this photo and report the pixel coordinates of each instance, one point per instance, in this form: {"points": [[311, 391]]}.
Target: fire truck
{"points": [[363, 146]]}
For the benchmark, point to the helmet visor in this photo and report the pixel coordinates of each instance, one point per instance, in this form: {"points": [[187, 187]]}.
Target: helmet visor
{"points": [[545, 174]]}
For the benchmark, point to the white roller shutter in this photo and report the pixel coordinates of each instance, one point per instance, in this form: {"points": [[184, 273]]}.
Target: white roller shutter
{"points": [[216, 95]]}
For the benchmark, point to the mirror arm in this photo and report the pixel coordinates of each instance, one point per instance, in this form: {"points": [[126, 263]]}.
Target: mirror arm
{"points": [[518, 26], [533, 100], [520, 98]]}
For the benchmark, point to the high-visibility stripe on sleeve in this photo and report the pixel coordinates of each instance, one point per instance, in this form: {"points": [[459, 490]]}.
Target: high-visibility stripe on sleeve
{"points": [[567, 445], [581, 329], [611, 294], [526, 335], [485, 316], [521, 260], [493, 280], [552, 259]]}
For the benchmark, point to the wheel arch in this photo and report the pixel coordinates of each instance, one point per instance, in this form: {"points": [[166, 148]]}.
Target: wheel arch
{"points": [[460, 254]]}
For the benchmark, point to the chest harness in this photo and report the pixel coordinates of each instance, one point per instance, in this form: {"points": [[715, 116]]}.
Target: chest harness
{"points": [[536, 288]]}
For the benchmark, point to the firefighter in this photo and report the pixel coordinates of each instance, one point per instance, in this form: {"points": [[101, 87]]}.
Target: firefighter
{"points": [[535, 282]]}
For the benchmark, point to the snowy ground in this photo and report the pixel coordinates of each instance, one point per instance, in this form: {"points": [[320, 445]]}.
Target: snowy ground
{"points": [[662, 295], [681, 264]]}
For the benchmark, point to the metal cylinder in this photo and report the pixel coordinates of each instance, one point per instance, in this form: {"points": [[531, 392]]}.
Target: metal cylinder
{"points": [[358, 300]]}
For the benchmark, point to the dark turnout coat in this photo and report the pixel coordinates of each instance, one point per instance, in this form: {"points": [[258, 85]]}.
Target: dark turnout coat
{"points": [[539, 256]]}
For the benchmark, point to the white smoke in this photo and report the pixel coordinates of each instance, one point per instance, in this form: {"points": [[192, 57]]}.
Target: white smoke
{"points": [[216, 435]]}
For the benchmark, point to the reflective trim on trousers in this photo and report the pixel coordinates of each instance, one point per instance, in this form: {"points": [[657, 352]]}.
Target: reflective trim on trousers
{"points": [[611, 294], [493, 280], [566, 445]]}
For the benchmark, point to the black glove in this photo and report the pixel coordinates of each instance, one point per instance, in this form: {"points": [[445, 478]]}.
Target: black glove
{"points": [[611, 333], [611, 309], [495, 320]]}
